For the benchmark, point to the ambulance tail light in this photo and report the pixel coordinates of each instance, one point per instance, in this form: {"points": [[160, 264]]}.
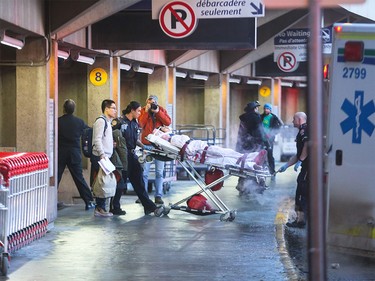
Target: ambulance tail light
{"points": [[354, 51], [326, 71]]}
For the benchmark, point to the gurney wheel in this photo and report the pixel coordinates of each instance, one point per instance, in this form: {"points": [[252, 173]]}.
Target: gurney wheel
{"points": [[159, 211], [141, 160], [232, 215], [149, 158], [228, 216], [4, 264], [166, 210]]}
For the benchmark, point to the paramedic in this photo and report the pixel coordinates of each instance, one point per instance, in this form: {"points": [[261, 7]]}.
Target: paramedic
{"points": [[119, 159], [271, 124], [130, 130], [251, 132], [153, 116], [70, 129], [102, 147], [300, 159]]}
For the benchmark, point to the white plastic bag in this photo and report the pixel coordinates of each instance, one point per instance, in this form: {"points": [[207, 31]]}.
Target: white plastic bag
{"points": [[104, 185]]}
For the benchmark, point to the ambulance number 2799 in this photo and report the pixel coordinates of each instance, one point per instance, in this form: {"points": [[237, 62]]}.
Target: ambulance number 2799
{"points": [[354, 72]]}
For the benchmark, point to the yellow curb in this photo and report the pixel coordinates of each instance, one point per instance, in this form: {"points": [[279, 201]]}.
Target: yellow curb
{"points": [[280, 220]]}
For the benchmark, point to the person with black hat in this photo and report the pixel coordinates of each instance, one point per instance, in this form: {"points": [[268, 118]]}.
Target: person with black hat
{"points": [[251, 136], [271, 124], [251, 132]]}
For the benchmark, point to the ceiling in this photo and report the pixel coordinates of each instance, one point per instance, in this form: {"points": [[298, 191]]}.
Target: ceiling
{"points": [[73, 28]]}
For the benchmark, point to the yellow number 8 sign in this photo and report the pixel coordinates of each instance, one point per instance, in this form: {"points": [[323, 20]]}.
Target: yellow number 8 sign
{"points": [[98, 76], [264, 91]]}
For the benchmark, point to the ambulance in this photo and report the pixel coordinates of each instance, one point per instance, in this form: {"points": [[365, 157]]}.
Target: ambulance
{"points": [[350, 162]]}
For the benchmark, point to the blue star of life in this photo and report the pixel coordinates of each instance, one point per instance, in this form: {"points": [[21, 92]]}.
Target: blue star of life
{"points": [[358, 117]]}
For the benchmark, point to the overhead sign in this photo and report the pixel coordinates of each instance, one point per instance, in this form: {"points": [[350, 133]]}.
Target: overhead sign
{"points": [[295, 41], [211, 9], [177, 19], [146, 34]]}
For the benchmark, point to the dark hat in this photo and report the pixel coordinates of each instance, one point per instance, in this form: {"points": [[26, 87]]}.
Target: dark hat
{"points": [[251, 105]]}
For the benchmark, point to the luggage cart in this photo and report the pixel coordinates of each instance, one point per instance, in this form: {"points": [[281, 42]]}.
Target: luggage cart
{"points": [[169, 172], [23, 201]]}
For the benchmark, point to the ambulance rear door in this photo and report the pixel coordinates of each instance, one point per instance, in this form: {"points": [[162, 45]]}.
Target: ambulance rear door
{"points": [[351, 139]]}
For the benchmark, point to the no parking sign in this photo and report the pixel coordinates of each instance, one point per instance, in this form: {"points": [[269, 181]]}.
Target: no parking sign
{"points": [[177, 19]]}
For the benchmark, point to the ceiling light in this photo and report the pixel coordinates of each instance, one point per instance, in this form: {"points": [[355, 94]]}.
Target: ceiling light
{"points": [[142, 69], [254, 82], [125, 66], [286, 84], [234, 80], [181, 74], [301, 85], [199, 76], [10, 41], [80, 58], [63, 54]]}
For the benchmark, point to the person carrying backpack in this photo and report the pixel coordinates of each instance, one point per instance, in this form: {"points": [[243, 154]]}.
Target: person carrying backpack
{"points": [[102, 147], [120, 161]]}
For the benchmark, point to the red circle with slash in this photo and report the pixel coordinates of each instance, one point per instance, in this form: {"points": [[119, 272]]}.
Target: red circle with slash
{"points": [[177, 19]]}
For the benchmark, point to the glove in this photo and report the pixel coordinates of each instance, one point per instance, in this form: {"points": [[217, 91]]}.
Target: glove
{"points": [[296, 166], [283, 168]]}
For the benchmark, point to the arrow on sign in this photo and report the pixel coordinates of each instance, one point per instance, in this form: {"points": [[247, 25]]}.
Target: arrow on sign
{"points": [[258, 10]]}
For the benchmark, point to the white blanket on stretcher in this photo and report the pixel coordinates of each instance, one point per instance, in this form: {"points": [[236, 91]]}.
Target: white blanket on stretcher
{"points": [[200, 151]]}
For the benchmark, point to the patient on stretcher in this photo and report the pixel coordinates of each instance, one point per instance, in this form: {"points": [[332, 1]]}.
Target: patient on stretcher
{"points": [[200, 151]]}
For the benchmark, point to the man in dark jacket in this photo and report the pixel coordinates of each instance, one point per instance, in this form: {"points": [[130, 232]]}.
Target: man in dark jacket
{"points": [[70, 129], [271, 124], [251, 138], [251, 135]]}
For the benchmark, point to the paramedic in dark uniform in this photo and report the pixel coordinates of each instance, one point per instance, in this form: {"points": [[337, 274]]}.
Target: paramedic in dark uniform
{"points": [[70, 129], [300, 159], [131, 130]]}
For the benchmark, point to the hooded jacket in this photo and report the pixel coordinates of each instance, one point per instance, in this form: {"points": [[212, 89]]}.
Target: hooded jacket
{"points": [[150, 121]]}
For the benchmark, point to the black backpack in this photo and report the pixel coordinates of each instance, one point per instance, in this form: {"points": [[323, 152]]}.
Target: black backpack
{"points": [[86, 139]]}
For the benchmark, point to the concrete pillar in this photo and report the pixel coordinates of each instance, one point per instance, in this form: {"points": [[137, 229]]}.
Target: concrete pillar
{"points": [[162, 83], [158, 85], [97, 93], [32, 98]]}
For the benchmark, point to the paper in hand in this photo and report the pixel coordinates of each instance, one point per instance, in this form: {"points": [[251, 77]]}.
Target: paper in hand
{"points": [[107, 165]]}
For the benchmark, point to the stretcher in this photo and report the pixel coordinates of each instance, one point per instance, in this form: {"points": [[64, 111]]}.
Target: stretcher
{"points": [[213, 180]]}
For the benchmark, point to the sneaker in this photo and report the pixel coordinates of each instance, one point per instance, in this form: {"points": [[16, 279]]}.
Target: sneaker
{"points": [[90, 205], [296, 224], [118, 212], [99, 212], [158, 200]]}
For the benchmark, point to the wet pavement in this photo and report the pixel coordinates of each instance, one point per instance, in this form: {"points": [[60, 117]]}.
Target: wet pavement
{"points": [[180, 245]]}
